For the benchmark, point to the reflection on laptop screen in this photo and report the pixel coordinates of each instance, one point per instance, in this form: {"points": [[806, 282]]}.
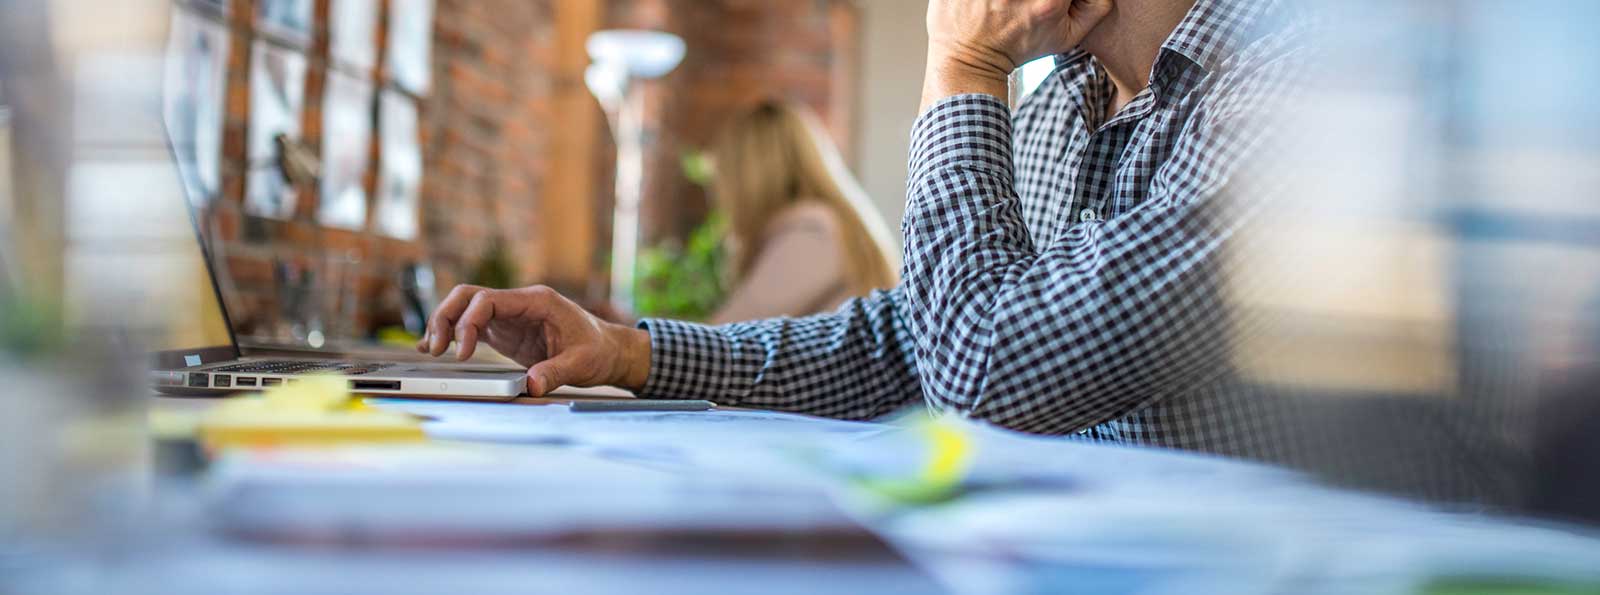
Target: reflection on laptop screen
{"points": [[199, 321], [133, 269]]}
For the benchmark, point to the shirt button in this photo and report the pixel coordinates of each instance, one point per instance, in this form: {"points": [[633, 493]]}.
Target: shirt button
{"points": [[1087, 215]]}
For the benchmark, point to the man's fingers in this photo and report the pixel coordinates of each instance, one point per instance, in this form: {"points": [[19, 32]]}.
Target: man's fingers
{"points": [[440, 325], [535, 303], [553, 373], [479, 312]]}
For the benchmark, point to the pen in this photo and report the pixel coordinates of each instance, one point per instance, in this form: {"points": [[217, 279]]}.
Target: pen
{"points": [[624, 405]]}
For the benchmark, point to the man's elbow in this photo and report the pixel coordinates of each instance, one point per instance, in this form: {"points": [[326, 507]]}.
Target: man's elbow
{"points": [[1029, 414]]}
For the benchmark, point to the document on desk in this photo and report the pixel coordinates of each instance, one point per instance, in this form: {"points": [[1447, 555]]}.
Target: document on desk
{"points": [[1038, 513], [1033, 513], [754, 445], [478, 493], [536, 471], [556, 424]]}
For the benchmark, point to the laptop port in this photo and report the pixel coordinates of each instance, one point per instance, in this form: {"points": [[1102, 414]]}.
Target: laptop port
{"points": [[271, 381], [198, 380], [245, 380], [359, 385], [221, 380]]}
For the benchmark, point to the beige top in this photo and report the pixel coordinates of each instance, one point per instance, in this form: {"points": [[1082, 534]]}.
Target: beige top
{"points": [[799, 271]]}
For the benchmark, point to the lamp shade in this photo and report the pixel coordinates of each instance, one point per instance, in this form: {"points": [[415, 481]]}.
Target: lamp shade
{"points": [[642, 54], [608, 82]]}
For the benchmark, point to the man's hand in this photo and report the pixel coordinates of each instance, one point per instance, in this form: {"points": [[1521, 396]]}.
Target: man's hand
{"points": [[558, 341], [973, 45]]}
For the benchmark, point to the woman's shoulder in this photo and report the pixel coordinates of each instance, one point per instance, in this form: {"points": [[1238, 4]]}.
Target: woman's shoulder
{"points": [[805, 216]]}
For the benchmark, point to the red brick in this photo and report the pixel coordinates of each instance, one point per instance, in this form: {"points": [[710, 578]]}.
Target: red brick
{"points": [[485, 132]]}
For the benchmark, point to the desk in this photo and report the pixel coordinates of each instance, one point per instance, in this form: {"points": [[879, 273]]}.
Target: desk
{"points": [[1095, 518], [180, 551]]}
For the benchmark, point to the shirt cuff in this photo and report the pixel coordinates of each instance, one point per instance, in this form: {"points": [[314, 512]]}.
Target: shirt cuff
{"points": [[694, 361], [972, 131]]}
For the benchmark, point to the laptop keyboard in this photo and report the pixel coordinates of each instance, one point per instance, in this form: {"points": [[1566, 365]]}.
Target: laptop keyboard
{"points": [[303, 367]]}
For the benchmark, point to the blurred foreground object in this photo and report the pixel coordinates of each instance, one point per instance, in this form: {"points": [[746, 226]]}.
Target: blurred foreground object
{"points": [[1030, 514], [73, 442], [1566, 474], [89, 247], [1430, 253]]}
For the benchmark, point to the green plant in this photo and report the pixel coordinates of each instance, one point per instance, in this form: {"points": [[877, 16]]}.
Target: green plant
{"points": [[495, 269], [697, 167], [30, 328], [682, 279]]}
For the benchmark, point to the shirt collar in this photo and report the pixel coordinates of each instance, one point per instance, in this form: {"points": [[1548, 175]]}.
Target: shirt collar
{"points": [[1214, 30], [1208, 35], [1070, 56]]}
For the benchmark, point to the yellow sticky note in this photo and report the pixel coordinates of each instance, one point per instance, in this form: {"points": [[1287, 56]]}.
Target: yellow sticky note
{"points": [[314, 411], [949, 457], [310, 393]]}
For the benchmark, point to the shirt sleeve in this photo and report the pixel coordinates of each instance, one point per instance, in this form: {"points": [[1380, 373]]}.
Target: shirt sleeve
{"points": [[1054, 338], [853, 363]]}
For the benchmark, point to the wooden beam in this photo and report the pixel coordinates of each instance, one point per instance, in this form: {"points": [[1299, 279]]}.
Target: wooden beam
{"points": [[567, 203]]}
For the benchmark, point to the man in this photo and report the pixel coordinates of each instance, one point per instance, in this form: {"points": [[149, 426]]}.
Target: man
{"points": [[1058, 280]]}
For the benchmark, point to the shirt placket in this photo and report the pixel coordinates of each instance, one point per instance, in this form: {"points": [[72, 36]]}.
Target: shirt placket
{"points": [[1098, 174], [1106, 145], [1061, 191]]}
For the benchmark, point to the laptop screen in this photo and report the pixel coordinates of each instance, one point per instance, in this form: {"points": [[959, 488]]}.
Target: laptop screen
{"points": [[202, 333], [199, 331]]}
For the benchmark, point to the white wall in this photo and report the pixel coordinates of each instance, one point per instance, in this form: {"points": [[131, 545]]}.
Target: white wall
{"points": [[893, 45]]}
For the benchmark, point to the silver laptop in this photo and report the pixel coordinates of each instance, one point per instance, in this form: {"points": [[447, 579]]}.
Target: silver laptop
{"points": [[203, 356], [214, 364]]}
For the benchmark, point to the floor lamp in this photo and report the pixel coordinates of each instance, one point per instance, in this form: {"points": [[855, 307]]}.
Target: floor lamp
{"points": [[619, 60]]}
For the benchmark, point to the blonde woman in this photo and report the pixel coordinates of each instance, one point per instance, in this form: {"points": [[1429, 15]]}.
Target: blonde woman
{"points": [[802, 236]]}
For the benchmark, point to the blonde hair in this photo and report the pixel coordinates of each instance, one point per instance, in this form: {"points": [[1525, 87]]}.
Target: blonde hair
{"points": [[774, 157]]}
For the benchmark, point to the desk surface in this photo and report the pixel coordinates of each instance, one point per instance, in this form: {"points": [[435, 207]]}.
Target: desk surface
{"points": [[182, 550], [1087, 518]]}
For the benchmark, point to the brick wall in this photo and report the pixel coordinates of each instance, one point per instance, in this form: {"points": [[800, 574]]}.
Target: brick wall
{"points": [[489, 148], [486, 133], [483, 126]]}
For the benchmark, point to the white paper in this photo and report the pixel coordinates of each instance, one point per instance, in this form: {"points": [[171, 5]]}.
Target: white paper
{"points": [[410, 43], [715, 429], [346, 143], [277, 96], [1134, 532], [196, 80], [400, 166], [750, 444], [352, 31], [1037, 511], [493, 492]]}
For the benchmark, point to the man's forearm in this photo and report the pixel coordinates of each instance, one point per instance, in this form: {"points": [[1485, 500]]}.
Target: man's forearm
{"points": [[974, 46], [634, 345], [949, 74]]}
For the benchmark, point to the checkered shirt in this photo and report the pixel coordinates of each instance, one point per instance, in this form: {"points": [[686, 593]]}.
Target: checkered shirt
{"points": [[1058, 264], [1064, 274]]}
